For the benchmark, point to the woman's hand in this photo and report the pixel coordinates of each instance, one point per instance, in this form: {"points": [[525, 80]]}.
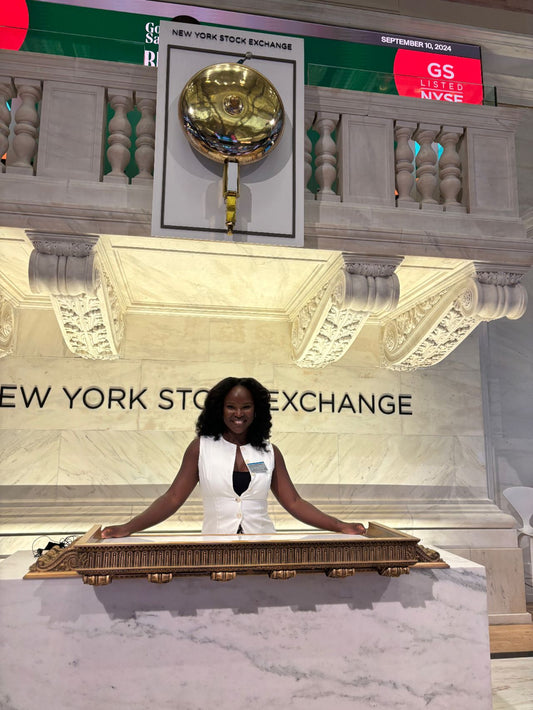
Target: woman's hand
{"points": [[116, 531], [353, 529]]}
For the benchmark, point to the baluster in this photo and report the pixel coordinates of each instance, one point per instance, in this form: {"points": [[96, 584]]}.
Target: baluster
{"points": [[450, 168], [145, 142], [426, 165], [26, 123], [308, 158], [325, 160], [118, 153], [404, 163], [7, 91]]}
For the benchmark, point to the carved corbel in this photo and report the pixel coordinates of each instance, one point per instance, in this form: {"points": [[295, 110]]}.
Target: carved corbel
{"points": [[83, 297], [327, 325], [7, 327], [426, 333]]}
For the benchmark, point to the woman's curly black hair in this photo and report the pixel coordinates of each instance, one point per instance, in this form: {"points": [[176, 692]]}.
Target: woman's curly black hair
{"points": [[211, 420]]}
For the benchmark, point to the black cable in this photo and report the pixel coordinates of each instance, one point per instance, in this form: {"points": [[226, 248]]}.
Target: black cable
{"points": [[64, 542]]}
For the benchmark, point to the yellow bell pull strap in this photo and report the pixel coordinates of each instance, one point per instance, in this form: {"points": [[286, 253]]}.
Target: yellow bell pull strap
{"points": [[231, 192]]}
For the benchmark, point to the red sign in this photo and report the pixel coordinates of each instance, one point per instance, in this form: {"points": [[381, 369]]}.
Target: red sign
{"points": [[14, 23], [427, 75]]}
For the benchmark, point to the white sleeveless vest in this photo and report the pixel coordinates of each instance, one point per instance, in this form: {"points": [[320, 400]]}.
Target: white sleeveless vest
{"points": [[224, 510]]}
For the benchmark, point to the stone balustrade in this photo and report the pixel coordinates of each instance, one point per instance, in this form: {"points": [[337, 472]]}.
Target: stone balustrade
{"points": [[398, 152], [73, 118], [367, 157]]}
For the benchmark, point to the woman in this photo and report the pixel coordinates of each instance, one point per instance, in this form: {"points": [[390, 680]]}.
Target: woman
{"points": [[236, 466]]}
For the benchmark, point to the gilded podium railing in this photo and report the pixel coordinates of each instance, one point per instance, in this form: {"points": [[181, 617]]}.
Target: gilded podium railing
{"points": [[389, 552]]}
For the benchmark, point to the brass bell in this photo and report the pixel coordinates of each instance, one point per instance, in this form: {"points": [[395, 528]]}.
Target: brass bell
{"points": [[233, 115]]}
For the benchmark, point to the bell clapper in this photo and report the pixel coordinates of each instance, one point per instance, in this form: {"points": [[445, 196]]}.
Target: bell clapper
{"points": [[231, 192]]}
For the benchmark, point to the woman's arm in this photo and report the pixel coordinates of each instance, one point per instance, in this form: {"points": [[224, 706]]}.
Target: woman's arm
{"points": [[284, 490], [167, 504]]}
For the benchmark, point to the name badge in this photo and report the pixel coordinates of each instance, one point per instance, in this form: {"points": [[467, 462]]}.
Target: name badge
{"points": [[256, 467]]}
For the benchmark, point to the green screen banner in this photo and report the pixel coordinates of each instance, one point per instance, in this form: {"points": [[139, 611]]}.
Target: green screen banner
{"points": [[339, 57]]}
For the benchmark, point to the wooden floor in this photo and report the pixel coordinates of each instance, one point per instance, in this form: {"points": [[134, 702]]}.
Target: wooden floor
{"points": [[516, 638]]}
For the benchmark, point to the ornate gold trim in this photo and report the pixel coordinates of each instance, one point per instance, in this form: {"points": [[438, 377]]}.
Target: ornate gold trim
{"points": [[97, 580], [387, 551], [340, 573], [54, 563], [282, 574], [393, 571], [223, 576]]}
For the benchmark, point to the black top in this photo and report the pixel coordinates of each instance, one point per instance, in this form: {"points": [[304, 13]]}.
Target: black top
{"points": [[241, 481]]}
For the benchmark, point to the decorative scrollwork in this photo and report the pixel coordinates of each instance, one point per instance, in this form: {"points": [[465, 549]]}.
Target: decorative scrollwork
{"points": [[97, 580], [328, 323], [397, 331], [223, 576], [282, 574], [159, 577], [82, 294], [499, 278], [7, 326], [428, 332], [78, 245], [302, 321], [364, 268], [57, 559], [340, 573], [426, 554], [92, 325], [393, 571]]}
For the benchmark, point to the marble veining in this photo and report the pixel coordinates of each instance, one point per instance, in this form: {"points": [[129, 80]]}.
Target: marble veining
{"points": [[29, 457], [512, 683], [144, 336], [449, 399], [309, 459], [120, 458], [312, 642]]}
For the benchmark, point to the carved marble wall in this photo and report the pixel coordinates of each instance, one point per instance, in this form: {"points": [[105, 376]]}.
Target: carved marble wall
{"points": [[432, 451], [507, 378]]}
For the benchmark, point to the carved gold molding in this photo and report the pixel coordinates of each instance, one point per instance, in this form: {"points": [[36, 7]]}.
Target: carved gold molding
{"points": [[327, 325], [426, 333], [7, 327], [56, 562], [83, 297], [384, 550]]}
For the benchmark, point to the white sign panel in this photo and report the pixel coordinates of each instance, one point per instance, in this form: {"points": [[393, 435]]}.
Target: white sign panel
{"points": [[188, 199]]}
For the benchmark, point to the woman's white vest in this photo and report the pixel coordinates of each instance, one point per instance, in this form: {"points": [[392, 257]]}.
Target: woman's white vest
{"points": [[224, 510]]}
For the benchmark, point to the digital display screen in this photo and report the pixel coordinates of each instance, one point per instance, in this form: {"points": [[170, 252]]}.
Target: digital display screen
{"points": [[340, 57]]}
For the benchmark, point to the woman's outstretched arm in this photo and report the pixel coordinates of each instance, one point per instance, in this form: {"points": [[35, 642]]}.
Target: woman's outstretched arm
{"points": [[284, 490], [167, 504]]}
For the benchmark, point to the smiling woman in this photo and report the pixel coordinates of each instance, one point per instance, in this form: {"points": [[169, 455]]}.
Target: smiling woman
{"points": [[236, 465]]}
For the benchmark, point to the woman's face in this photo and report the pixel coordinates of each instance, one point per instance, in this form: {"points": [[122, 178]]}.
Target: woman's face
{"points": [[238, 410]]}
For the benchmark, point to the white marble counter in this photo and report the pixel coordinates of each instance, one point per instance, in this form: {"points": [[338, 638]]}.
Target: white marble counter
{"points": [[313, 643]]}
